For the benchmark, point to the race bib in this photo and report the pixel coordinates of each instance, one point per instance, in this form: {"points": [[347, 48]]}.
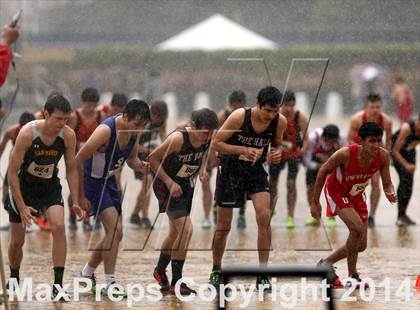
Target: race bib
{"points": [[41, 171], [187, 170], [244, 158], [358, 188]]}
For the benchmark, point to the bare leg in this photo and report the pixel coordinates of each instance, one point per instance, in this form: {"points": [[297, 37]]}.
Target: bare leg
{"points": [[55, 215], [273, 192], [184, 230], [224, 220], [375, 194], [17, 239], [291, 197], [207, 199], [261, 203]]}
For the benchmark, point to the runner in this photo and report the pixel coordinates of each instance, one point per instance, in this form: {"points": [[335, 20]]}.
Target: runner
{"points": [[372, 113], [347, 173], [243, 144], [177, 162], [402, 96], [118, 103]]}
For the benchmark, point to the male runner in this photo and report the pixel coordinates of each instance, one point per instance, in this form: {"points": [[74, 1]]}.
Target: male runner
{"points": [[112, 143], [35, 187], [243, 144], [118, 103], [322, 143], [294, 141], [148, 141], [372, 113], [347, 173], [405, 141], [177, 162]]}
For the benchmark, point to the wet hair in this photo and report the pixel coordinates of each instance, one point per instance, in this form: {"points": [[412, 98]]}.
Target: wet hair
{"points": [[205, 118], [269, 95], [237, 96], [370, 129], [135, 108], [54, 93], [289, 96], [119, 100], [57, 102], [25, 118], [90, 94], [159, 108], [331, 132], [373, 98]]}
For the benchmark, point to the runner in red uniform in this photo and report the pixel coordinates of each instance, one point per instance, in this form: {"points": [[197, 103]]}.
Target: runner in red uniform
{"points": [[402, 96], [347, 173], [372, 113]]}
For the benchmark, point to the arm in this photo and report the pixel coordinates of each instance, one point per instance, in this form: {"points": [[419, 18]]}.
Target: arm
{"points": [[4, 140], [134, 162], [388, 132], [386, 177], [339, 158], [402, 137], [275, 156], [71, 170], [23, 142], [303, 124], [172, 144]]}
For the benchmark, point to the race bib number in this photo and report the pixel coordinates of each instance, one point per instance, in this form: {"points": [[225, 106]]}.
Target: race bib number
{"points": [[41, 171], [358, 188], [187, 170], [117, 167]]}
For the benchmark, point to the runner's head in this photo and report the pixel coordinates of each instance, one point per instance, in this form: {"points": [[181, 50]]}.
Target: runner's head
{"points": [[417, 125], [331, 135], [158, 112], [289, 102], [89, 100], [237, 100], [268, 102], [25, 118], [204, 122], [118, 103], [373, 105], [371, 135], [57, 111], [137, 114]]}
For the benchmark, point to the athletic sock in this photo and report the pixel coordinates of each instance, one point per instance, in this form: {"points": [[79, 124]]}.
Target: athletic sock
{"points": [[216, 268], [109, 279], [177, 266], [14, 273], [163, 262], [58, 275], [87, 271]]}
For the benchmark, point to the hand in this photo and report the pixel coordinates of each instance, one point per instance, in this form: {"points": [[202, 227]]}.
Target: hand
{"points": [[26, 215], [85, 204], [10, 34], [143, 167], [175, 190], [410, 168], [391, 196], [252, 153], [204, 176], [274, 157], [80, 213], [316, 210]]}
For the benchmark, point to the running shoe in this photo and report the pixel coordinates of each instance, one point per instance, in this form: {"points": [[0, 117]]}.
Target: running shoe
{"points": [[333, 279], [161, 279], [97, 225], [135, 219], [331, 222], [184, 290], [241, 222], [42, 222], [264, 283], [290, 222], [311, 222], [72, 224], [371, 222], [206, 224], [64, 297], [215, 278], [116, 291], [404, 220], [92, 279], [145, 223], [359, 282]]}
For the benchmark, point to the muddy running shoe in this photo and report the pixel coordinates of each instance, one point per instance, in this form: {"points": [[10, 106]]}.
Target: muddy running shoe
{"points": [[331, 222], [241, 222], [404, 220], [215, 278], [116, 292], [65, 297], [87, 227], [162, 280], [371, 222], [91, 278], [145, 223], [358, 281], [135, 219], [311, 222], [184, 290], [72, 224], [264, 283], [290, 222], [334, 279], [206, 224]]}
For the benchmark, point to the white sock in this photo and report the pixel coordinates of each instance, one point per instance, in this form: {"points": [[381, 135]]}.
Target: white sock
{"points": [[87, 271], [109, 279]]}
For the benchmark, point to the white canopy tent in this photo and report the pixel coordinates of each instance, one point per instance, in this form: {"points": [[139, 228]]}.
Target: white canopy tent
{"points": [[216, 33]]}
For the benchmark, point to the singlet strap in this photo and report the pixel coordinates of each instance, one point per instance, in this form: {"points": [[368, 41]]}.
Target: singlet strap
{"points": [[35, 131]]}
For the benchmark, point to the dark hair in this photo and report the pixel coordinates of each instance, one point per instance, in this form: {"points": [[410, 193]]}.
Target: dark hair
{"points": [[289, 96], [136, 108], [331, 132], [90, 94], [269, 95], [205, 118], [370, 129], [160, 108], [54, 93], [373, 98], [237, 96], [25, 118], [57, 102], [119, 100]]}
